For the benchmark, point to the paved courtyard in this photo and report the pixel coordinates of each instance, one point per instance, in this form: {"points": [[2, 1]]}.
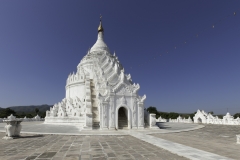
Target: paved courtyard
{"points": [[38, 127], [174, 141], [218, 139], [58, 147]]}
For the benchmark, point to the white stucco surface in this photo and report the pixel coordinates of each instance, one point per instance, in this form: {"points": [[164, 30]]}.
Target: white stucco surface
{"points": [[96, 92]]}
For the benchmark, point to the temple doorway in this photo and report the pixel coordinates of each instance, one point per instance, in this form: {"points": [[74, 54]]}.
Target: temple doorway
{"points": [[122, 118], [199, 120], [226, 121]]}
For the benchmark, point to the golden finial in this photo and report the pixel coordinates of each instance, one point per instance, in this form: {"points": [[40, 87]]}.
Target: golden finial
{"points": [[100, 28]]}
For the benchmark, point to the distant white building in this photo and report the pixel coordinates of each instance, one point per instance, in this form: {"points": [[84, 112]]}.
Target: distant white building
{"points": [[100, 95], [208, 118], [200, 117]]}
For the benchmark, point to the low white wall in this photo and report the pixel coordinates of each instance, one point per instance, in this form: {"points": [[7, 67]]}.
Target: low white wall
{"points": [[25, 119], [32, 119], [181, 120], [150, 119], [208, 118]]}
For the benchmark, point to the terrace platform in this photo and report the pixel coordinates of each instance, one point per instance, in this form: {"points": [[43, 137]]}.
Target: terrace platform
{"points": [[40, 127]]}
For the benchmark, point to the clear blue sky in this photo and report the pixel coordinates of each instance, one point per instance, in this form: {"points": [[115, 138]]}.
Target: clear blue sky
{"points": [[41, 42]]}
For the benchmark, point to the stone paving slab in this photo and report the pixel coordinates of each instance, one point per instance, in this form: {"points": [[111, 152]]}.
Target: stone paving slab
{"points": [[61, 147], [179, 149], [218, 139]]}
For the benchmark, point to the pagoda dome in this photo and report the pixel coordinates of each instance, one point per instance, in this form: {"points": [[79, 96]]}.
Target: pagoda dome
{"points": [[99, 48], [100, 45]]}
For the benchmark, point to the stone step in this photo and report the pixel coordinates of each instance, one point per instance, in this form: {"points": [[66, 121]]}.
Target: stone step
{"points": [[96, 125], [95, 115], [121, 118], [122, 128], [120, 125], [95, 112], [122, 121]]}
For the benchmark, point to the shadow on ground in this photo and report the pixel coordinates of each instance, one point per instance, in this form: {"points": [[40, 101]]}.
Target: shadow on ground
{"points": [[32, 136]]}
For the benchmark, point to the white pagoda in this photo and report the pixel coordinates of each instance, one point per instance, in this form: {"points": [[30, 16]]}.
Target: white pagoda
{"points": [[100, 95]]}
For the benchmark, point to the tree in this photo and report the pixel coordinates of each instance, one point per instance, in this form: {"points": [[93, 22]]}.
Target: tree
{"points": [[42, 114], [211, 112], [152, 109], [236, 115], [164, 115], [192, 115], [220, 116], [6, 112], [173, 115], [36, 110], [29, 115], [21, 115]]}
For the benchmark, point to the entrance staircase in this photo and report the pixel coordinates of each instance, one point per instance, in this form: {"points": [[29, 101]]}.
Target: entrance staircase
{"points": [[95, 111], [122, 119]]}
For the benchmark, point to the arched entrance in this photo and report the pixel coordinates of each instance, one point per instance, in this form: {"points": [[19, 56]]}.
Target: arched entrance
{"points": [[122, 118], [199, 120], [226, 121]]}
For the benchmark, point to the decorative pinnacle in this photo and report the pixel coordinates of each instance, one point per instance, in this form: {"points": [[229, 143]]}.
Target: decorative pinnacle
{"points": [[100, 27]]}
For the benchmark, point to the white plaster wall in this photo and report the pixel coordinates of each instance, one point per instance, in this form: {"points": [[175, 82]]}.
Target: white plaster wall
{"points": [[77, 90]]}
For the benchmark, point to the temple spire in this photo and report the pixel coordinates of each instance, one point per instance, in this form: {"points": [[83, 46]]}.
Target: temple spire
{"points": [[100, 44], [100, 27]]}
